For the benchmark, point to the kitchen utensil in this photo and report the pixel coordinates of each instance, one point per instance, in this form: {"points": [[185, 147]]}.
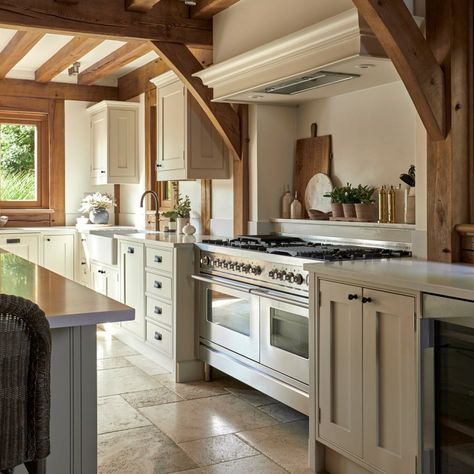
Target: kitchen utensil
{"points": [[317, 187], [313, 155], [296, 208], [316, 215], [286, 203]]}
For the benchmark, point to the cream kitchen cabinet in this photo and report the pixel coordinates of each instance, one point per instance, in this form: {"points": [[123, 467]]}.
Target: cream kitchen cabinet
{"points": [[367, 375], [58, 254], [132, 290], [114, 142], [105, 280], [189, 146], [24, 245]]}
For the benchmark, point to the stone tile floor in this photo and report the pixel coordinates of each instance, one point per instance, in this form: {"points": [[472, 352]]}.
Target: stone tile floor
{"points": [[148, 424]]}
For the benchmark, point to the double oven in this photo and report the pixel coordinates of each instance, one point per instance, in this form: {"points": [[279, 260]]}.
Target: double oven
{"points": [[259, 330]]}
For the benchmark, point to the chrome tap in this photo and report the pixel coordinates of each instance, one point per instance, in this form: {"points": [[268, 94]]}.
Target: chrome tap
{"points": [[152, 221]]}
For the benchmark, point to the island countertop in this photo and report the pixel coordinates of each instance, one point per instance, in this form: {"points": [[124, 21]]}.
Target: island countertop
{"points": [[454, 280], [65, 302]]}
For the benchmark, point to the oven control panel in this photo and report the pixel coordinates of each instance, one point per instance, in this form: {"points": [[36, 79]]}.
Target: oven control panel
{"points": [[241, 268]]}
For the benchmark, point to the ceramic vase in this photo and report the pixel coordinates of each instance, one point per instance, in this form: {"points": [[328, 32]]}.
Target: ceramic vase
{"points": [[99, 216], [180, 223]]}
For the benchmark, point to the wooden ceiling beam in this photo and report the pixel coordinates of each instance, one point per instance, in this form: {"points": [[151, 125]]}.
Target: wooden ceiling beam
{"points": [[208, 8], [69, 54], [17, 48], [140, 5], [167, 21], [413, 58], [114, 61], [55, 90], [136, 82], [226, 120]]}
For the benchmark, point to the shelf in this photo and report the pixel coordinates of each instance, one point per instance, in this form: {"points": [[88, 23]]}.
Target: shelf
{"points": [[373, 225]]}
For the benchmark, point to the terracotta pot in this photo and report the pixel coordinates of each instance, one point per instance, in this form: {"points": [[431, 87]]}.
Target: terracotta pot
{"points": [[337, 210], [349, 210], [365, 212]]}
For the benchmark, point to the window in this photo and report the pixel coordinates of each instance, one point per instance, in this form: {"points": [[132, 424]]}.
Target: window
{"points": [[23, 160]]}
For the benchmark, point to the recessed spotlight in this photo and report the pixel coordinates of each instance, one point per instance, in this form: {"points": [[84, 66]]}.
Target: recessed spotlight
{"points": [[256, 96], [365, 66]]}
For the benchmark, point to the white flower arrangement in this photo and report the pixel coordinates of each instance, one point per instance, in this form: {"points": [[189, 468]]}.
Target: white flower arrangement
{"points": [[96, 201]]}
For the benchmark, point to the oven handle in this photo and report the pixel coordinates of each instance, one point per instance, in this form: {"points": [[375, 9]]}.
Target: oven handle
{"points": [[223, 282], [276, 295]]}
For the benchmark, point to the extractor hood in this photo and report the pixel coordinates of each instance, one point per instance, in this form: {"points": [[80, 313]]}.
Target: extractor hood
{"points": [[335, 56]]}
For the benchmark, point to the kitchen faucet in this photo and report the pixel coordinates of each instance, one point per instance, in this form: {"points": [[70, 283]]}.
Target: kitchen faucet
{"points": [[152, 221]]}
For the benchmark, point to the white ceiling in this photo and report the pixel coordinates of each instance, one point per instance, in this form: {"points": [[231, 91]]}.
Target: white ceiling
{"points": [[52, 43]]}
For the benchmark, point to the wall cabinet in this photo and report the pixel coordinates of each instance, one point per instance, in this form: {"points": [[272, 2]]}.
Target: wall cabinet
{"points": [[189, 146], [132, 291], [367, 375], [58, 254], [114, 142], [105, 280], [23, 245]]}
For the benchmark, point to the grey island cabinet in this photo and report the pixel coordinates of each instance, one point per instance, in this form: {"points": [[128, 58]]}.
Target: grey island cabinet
{"points": [[73, 312]]}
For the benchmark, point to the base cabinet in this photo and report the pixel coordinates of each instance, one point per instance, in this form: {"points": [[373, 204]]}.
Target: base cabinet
{"points": [[105, 280], [58, 254], [367, 375], [23, 245]]}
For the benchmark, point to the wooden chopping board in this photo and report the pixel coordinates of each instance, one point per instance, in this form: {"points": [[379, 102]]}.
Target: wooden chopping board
{"points": [[313, 155]]}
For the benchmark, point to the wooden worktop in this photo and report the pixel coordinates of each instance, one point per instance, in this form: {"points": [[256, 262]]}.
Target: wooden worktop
{"points": [[65, 302]]}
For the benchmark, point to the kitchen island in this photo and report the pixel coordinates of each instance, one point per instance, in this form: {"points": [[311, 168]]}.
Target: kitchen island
{"points": [[73, 311]]}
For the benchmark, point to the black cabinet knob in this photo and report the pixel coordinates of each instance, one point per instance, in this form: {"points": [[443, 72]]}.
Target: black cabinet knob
{"points": [[157, 284], [130, 250], [158, 336], [366, 300], [352, 297], [102, 171], [158, 258], [158, 310]]}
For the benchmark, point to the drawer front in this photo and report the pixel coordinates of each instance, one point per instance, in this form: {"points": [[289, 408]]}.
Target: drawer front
{"points": [[160, 338], [160, 286], [159, 259], [159, 311]]}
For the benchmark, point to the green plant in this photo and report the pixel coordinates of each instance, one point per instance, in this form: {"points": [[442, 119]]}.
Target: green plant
{"points": [[365, 193], [182, 209], [17, 148], [336, 195], [350, 195], [96, 201]]}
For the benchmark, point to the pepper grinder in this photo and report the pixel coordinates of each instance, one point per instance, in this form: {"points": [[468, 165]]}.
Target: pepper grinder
{"points": [[382, 204], [296, 209], [391, 205]]}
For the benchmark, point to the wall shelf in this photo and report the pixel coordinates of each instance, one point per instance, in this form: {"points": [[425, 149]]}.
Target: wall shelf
{"points": [[373, 225]]}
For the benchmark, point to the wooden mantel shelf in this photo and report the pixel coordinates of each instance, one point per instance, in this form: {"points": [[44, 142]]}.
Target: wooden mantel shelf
{"points": [[465, 228], [346, 224]]}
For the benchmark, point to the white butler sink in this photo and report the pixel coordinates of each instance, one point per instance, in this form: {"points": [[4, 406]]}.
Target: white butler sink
{"points": [[102, 246]]}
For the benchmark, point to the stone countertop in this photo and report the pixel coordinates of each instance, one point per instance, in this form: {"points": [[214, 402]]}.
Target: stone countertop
{"points": [[454, 280], [37, 230], [170, 239], [65, 302]]}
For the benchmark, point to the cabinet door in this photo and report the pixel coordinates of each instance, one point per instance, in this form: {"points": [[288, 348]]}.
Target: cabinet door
{"points": [[23, 245], [132, 285], [98, 279], [112, 284], [171, 127], [99, 147], [58, 254], [123, 146], [389, 382], [340, 366]]}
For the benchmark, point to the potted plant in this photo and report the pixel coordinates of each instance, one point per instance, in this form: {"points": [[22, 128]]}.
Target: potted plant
{"points": [[349, 199], [337, 196], [96, 205], [180, 213], [365, 207]]}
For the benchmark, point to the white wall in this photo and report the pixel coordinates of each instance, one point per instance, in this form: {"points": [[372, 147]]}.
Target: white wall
{"points": [[77, 157]]}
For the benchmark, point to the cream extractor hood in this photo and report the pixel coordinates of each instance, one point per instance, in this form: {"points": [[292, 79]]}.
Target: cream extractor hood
{"points": [[335, 56]]}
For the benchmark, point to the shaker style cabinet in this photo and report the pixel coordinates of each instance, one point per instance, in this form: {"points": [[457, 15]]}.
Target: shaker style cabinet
{"points": [[189, 146], [105, 280], [114, 142], [367, 375], [58, 254], [23, 245]]}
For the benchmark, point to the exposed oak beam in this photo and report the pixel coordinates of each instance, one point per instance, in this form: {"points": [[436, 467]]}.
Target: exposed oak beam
{"points": [[168, 21], [56, 90], [405, 45], [72, 52], [140, 5], [138, 81], [18, 47], [209, 8], [223, 116], [114, 61]]}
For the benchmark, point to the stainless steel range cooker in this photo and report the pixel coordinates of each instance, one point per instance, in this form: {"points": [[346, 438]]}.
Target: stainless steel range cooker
{"points": [[253, 307]]}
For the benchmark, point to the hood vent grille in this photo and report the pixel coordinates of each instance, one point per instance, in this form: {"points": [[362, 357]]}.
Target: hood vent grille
{"points": [[308, 82]]}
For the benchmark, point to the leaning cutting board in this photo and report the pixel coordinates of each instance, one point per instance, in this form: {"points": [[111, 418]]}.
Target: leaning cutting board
{"points": [[313, 155]]}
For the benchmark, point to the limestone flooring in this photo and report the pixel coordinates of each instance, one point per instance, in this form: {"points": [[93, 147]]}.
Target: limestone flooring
{"points": [[148, 424]]}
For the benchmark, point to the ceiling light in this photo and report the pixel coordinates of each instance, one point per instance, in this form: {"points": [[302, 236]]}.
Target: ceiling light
{"points": [[365, 66], [74, 69]]}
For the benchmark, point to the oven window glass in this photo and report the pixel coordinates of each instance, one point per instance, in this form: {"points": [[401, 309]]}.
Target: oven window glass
{"points": [[229, 311], [454, 398], [289, 332]]}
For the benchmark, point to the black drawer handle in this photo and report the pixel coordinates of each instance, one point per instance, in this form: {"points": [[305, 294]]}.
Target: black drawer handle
{"points": [[157, 284], [158, 258], [13, 241], [158, 310], [159, 165], [158, 336], [83, 263], [352, 297], [102, 171], [366, 300], [130, 250]]}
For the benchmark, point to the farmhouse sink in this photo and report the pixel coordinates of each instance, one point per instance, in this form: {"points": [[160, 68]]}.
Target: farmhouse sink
{"points": [[102, 245]]}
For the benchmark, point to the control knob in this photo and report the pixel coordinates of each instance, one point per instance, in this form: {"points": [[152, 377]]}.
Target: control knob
{"points": [[238, 267], [205, 260], [290, 277], [273, 273], [256, 270], [299, 279], [246, 268]]}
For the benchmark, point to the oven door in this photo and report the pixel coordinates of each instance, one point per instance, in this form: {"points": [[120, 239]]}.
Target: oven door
{"points": [[447, 341], [229, 315], [284, 334]]}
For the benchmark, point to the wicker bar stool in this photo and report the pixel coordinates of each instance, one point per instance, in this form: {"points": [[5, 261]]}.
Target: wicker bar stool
{"points": [[25, 359]]}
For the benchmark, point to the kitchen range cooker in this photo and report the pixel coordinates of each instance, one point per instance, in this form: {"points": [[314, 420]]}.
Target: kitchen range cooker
{"points": [[253, 307]]}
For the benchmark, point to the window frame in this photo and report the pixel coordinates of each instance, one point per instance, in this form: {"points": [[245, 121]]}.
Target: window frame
{"points": [[40, 120]]}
